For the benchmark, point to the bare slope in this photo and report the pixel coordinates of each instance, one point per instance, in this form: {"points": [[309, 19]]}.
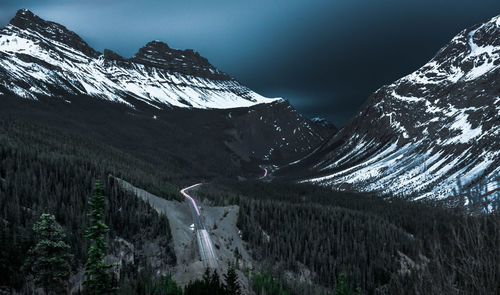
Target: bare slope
{"points": [[220, 222]]}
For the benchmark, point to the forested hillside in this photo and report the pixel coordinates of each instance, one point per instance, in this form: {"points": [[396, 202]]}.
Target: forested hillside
{"points": [[382, 245], [306, 236], [46, 170]]}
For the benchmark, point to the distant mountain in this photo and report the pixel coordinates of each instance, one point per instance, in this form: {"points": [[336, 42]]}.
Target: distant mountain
{"points": [[324, 122], [162, 102], [432, 134]]}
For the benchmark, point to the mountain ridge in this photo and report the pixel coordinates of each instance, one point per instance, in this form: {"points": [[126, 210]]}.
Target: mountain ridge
{"points": [[431, 134], [42, 58]]}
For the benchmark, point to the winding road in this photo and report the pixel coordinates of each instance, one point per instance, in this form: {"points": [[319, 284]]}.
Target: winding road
{"points": [[207, 252], [265, 172]]}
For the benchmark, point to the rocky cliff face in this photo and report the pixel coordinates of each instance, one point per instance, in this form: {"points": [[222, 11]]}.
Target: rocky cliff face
{"points": [[432, 134]]}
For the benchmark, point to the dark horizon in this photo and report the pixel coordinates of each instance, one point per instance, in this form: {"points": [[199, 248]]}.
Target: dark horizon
{"points": [[325, 57]]}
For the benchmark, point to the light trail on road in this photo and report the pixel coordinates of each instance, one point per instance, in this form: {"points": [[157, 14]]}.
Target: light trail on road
{"points": [[183, 192], [207, 252], [265, 172]]}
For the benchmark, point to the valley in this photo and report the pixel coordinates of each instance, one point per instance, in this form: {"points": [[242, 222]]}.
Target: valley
{"points": [[206, 182]]}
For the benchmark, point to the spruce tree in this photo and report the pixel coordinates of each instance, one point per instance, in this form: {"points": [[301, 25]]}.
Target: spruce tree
{"points": [[49, 259], [215, 286], [342, 287], [206, 276], [231, 278], [167, 286], [98, 279]]}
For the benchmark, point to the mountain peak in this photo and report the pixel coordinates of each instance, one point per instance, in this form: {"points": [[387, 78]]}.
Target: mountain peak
{"points": [[111, 55], [324, 122], [431, 134], [157, 44], [158, 54], [24, 14], [27, 20]]}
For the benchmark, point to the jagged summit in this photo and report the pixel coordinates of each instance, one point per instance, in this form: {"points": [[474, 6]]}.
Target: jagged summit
{"points": [[190, 62], [155, 53], [111, 55], [27, 20], [39, 57]]}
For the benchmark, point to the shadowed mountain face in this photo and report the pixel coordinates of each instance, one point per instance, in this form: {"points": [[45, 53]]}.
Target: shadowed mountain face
{"points": [[434, 133], [161, 103]]}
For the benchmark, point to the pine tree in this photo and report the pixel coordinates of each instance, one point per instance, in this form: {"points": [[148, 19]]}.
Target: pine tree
{"points": [[49, 260], [342, 287], [209, 285], [231, 278], [97, 272], [215, 286], [167, 286], [206, 276]]}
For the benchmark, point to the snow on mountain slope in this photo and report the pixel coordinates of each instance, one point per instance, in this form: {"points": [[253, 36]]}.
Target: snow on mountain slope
{"points": [[48, 74], [38, 57], [432, 134]]}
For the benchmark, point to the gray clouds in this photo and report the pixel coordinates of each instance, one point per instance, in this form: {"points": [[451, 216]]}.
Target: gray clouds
{"points": [[325, 56]]}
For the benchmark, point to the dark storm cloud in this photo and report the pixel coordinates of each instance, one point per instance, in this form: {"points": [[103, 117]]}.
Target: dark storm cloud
{"points": [[325, 56]]}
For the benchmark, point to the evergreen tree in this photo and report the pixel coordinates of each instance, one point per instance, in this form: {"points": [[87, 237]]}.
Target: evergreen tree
{"points": [[206, 276], [264, 284], [97, 272], [197, 287], [216, 287], [210, 284], [48, 260], [231, 278], [342, 288], [167, 286]]}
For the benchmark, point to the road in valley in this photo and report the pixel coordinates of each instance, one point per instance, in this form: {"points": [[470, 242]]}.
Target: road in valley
{"points": [[207, 252], [265, 172]]}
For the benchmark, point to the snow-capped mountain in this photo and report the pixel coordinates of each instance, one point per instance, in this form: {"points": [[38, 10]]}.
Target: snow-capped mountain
{"points": [[162, 102], [39, 57], [432, 134]]}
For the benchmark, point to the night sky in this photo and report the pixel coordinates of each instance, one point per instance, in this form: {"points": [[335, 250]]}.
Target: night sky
{"points": [[325, 56]]}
